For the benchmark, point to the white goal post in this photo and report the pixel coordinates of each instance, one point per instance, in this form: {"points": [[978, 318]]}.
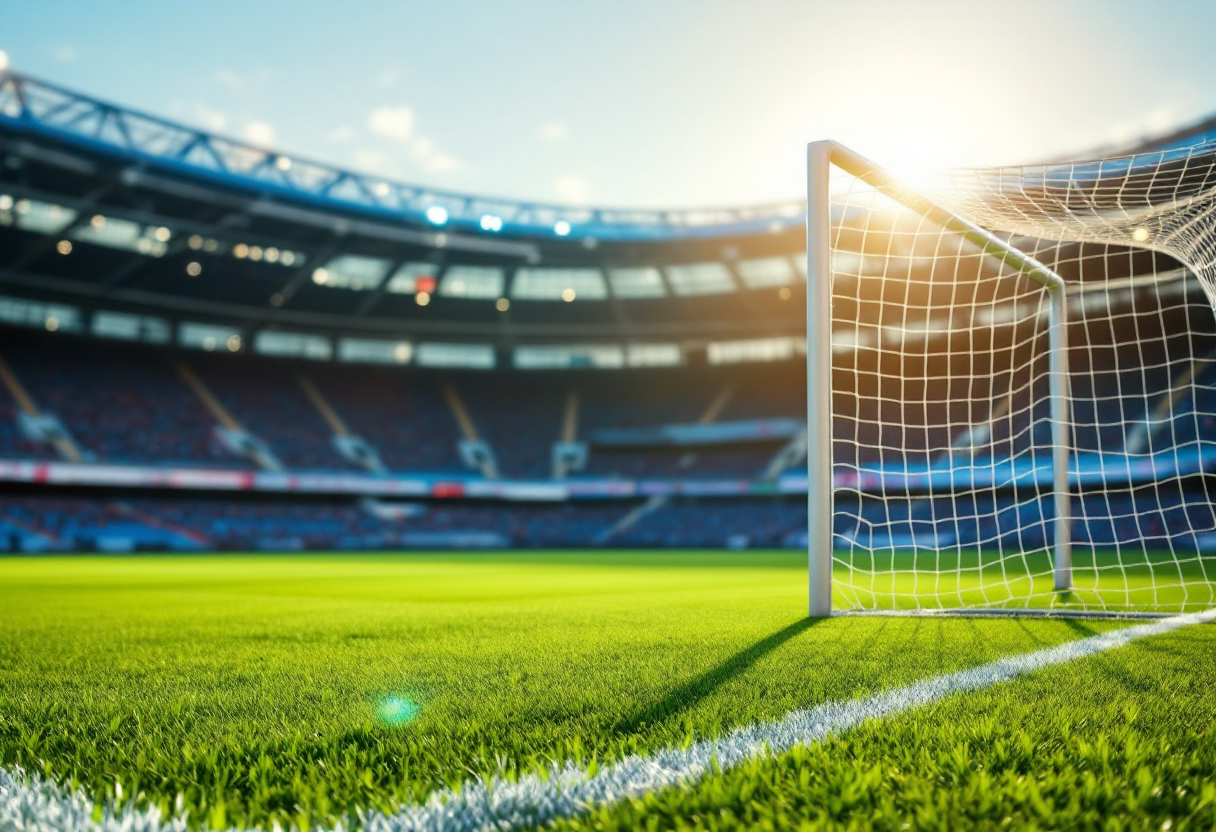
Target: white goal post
{"points": [[821, 158]]}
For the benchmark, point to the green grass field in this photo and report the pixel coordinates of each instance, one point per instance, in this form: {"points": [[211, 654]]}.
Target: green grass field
{"points": [[300, 689]]}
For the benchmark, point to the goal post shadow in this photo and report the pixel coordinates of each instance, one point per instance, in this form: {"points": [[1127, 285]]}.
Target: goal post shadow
{"points": [[821, 157]]}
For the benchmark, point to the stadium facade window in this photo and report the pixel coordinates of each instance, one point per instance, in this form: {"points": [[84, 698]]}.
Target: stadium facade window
{"points": [[700, 279], [851, 340], [478, 282], [292, 345], [654, 355], [755, 349], [843, 262], [917, 330], [127, 327], [799, 261], [351, 271], [374, 351], [642, 282], [1179, 287], [209, 337], [1002, 314], [411, 278], [55, 317], [766, 272], [470, 356], [550, 284], [600, 356], [42, 217], [125, 235]]}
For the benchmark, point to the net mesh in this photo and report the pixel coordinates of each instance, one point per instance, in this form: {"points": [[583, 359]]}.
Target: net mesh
{"points": [[942, 432]]}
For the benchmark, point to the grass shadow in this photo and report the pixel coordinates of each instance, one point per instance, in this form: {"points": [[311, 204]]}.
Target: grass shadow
{"points": [[690, 693], [1081, 629]]}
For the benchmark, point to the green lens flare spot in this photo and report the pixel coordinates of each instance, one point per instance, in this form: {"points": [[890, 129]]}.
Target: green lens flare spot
{"points": [[397, 710]]}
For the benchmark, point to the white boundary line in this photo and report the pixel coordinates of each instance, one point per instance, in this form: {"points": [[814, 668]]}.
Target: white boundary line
{"points": [[29, 804]]}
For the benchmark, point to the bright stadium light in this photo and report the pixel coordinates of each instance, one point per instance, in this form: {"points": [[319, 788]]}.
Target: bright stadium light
{"points": [[568, 295], [437, 215], [3, 60], [283, 163], [489, 222], [561, 228], [320, 277]]}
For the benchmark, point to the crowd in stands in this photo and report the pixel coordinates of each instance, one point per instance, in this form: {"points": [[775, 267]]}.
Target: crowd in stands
{"points": [[126, 403], [129, 404], [119, 403], [1182, 518]]}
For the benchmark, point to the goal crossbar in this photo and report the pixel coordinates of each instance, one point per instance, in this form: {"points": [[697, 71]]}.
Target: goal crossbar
{"points": [[821, 157]]}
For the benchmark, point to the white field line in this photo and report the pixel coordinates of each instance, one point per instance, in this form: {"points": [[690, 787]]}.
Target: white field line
{"points": [[29, 804]]}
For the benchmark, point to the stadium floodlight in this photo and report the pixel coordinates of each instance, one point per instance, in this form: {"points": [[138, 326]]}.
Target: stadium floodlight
{"points": [[821, 157], [437, 215]]}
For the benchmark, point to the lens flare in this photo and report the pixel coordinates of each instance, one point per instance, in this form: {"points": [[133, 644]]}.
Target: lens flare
{"points": [[397, 710]]}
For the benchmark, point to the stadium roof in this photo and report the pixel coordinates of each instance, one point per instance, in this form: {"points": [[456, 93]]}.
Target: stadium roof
{"points": [[40, 109], [117, 222]]}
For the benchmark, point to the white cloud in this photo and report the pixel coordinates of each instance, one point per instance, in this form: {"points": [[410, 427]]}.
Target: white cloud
{"points": [[396, 123], [554, 131], [259, 133], [372, 161], [343, 133], [432, 160], [1160, 120], [243, 83], [443, 163], [572, 189], [212, 120], [389, 76]]}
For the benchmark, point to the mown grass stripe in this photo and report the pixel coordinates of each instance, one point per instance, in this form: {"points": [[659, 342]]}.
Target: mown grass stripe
{"points": [[29, 804]]}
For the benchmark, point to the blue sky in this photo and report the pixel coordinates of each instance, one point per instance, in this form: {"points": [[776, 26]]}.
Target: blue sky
{"points": [[656, 103]]}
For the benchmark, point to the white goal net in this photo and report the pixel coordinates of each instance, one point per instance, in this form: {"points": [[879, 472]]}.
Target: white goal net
{"points": [[956, 482]]}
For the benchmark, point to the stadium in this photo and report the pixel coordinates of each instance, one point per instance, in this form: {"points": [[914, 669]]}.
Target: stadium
{"points": [[333, 501]]}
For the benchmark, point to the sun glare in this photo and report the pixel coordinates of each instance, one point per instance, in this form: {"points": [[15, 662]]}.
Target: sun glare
{"points": [[397, 710]]}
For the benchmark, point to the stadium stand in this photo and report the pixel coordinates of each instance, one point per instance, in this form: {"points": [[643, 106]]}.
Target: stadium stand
{"points": [[252, 353]]}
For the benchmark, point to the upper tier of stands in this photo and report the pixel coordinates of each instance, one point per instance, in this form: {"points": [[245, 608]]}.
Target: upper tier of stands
{"points": [[125, 403], [1134, 391]]}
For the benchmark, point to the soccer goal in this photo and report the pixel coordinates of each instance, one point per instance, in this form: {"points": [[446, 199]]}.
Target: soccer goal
{"points": [[1011, 386]]}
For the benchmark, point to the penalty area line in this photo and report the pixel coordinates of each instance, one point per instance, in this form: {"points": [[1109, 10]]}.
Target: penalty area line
{"points": [[30, 804]]}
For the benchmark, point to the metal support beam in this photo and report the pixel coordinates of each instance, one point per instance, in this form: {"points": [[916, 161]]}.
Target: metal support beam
{"points": [[1061, 436], [819, 379]]}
